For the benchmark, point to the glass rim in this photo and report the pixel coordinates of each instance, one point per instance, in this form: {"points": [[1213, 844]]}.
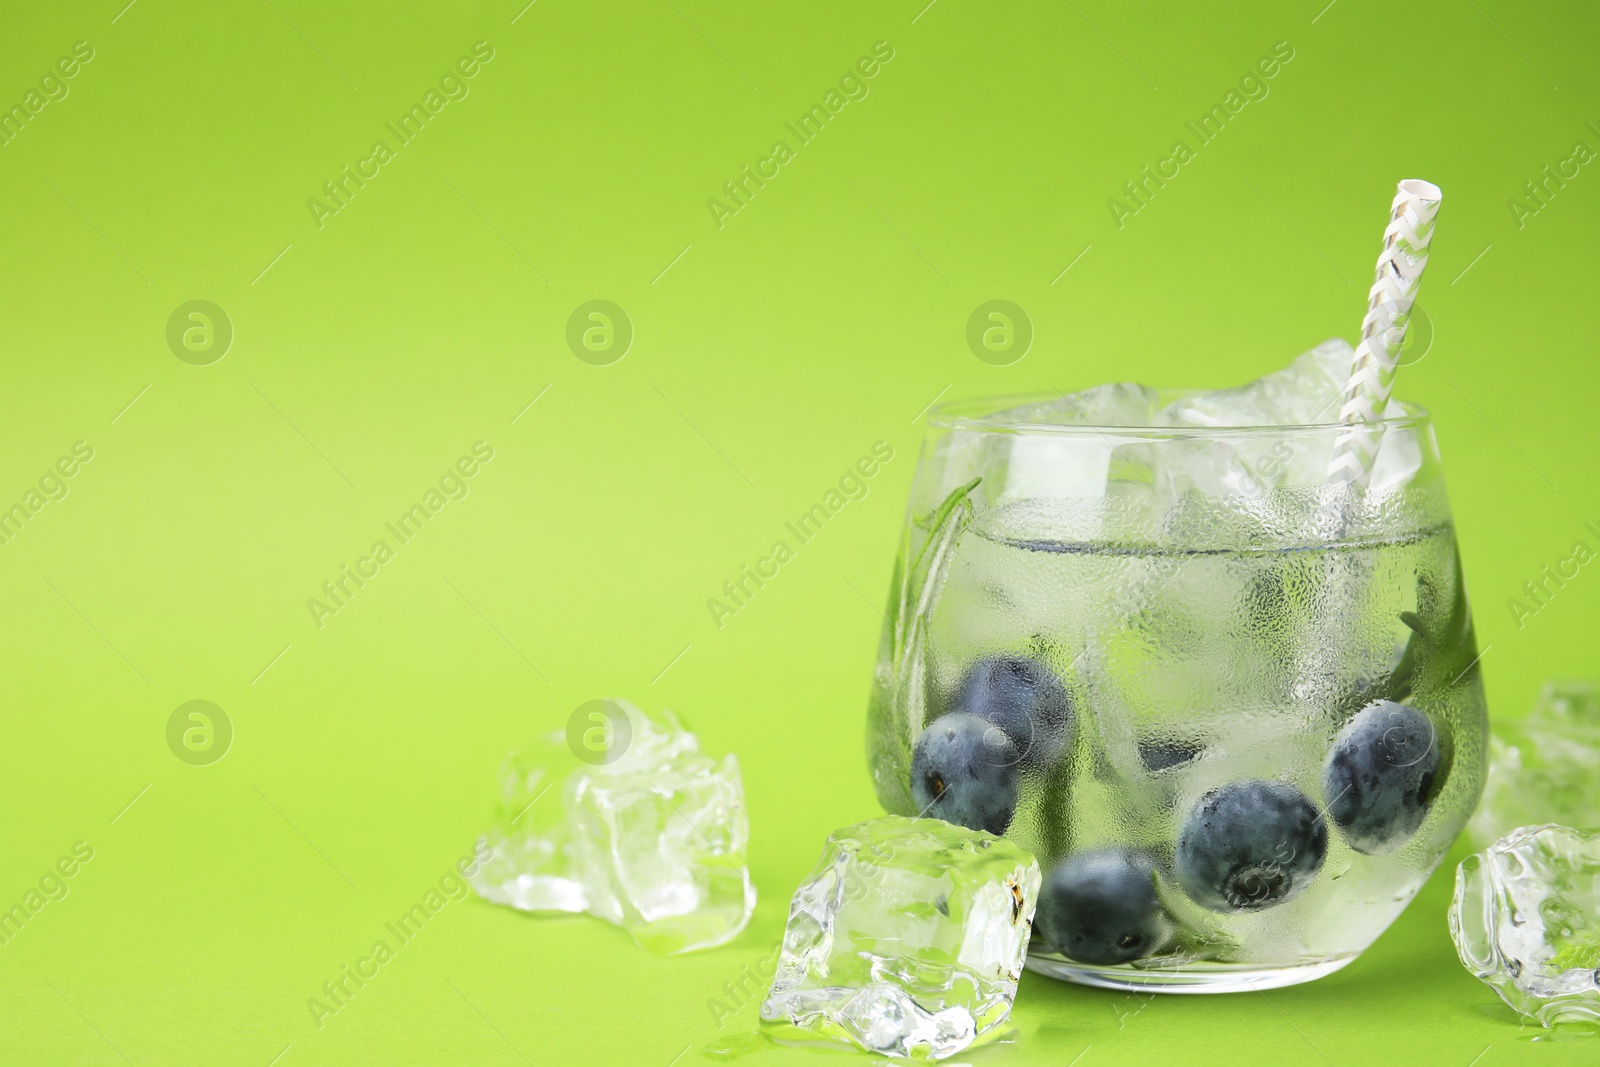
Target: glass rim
{"points": [[979, 414]]}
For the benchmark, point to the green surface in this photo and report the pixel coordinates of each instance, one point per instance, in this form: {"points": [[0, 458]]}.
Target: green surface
{"points": [[370, 352]]}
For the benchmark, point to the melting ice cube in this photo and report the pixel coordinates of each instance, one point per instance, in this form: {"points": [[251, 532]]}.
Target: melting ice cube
{"points": [[907, 939], [1545, 769], [1526, 920], [651, 837]]}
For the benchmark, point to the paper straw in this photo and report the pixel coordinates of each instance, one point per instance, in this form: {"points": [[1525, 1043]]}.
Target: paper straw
{"points": [[1399, 272]]}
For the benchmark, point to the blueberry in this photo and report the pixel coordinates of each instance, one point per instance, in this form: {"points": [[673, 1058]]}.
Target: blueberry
{"points": [[1025, 699], [1250, 845], [1380, 775], [964, 770], [1100, 907]]}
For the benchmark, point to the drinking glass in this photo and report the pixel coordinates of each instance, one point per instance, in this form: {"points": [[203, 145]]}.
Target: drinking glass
{"points": [[1236, 713]]}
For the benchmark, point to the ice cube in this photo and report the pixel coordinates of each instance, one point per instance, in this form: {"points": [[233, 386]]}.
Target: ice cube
{"points": [[1247, 466], [1544, 770], [662, 851], [1526, 920], [651, 836], [1305, 392], [1116, 404], [1036, 466], [1242, 468], [532, 866], [906, 939], [1040, 467]]}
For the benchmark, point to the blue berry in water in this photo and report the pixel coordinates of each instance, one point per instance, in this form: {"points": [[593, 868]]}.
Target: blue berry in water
{"points": [[1100, 907], [964, 770], [1250, 845], [1025, 699], [1380, 775]]}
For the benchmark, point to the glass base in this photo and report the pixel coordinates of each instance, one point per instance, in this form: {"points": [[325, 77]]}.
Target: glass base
{"points": [[1195, 977]]}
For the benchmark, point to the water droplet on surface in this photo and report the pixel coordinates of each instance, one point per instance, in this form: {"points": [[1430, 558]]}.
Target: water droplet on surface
{"points": [[734, 1047]]}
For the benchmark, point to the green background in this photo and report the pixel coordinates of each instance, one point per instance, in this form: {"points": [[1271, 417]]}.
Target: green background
{"points": [[370, 353]]}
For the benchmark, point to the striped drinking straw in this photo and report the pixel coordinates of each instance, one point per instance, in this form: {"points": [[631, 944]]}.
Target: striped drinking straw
{"points": [[1399, 272]]}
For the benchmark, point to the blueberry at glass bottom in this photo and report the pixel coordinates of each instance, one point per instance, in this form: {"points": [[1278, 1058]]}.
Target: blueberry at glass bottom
{"points": [[1250, 845], [964, 771], [1100, 907]]}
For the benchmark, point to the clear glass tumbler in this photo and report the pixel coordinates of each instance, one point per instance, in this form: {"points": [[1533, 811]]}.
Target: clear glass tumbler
{"points": [[1235, 712]]}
